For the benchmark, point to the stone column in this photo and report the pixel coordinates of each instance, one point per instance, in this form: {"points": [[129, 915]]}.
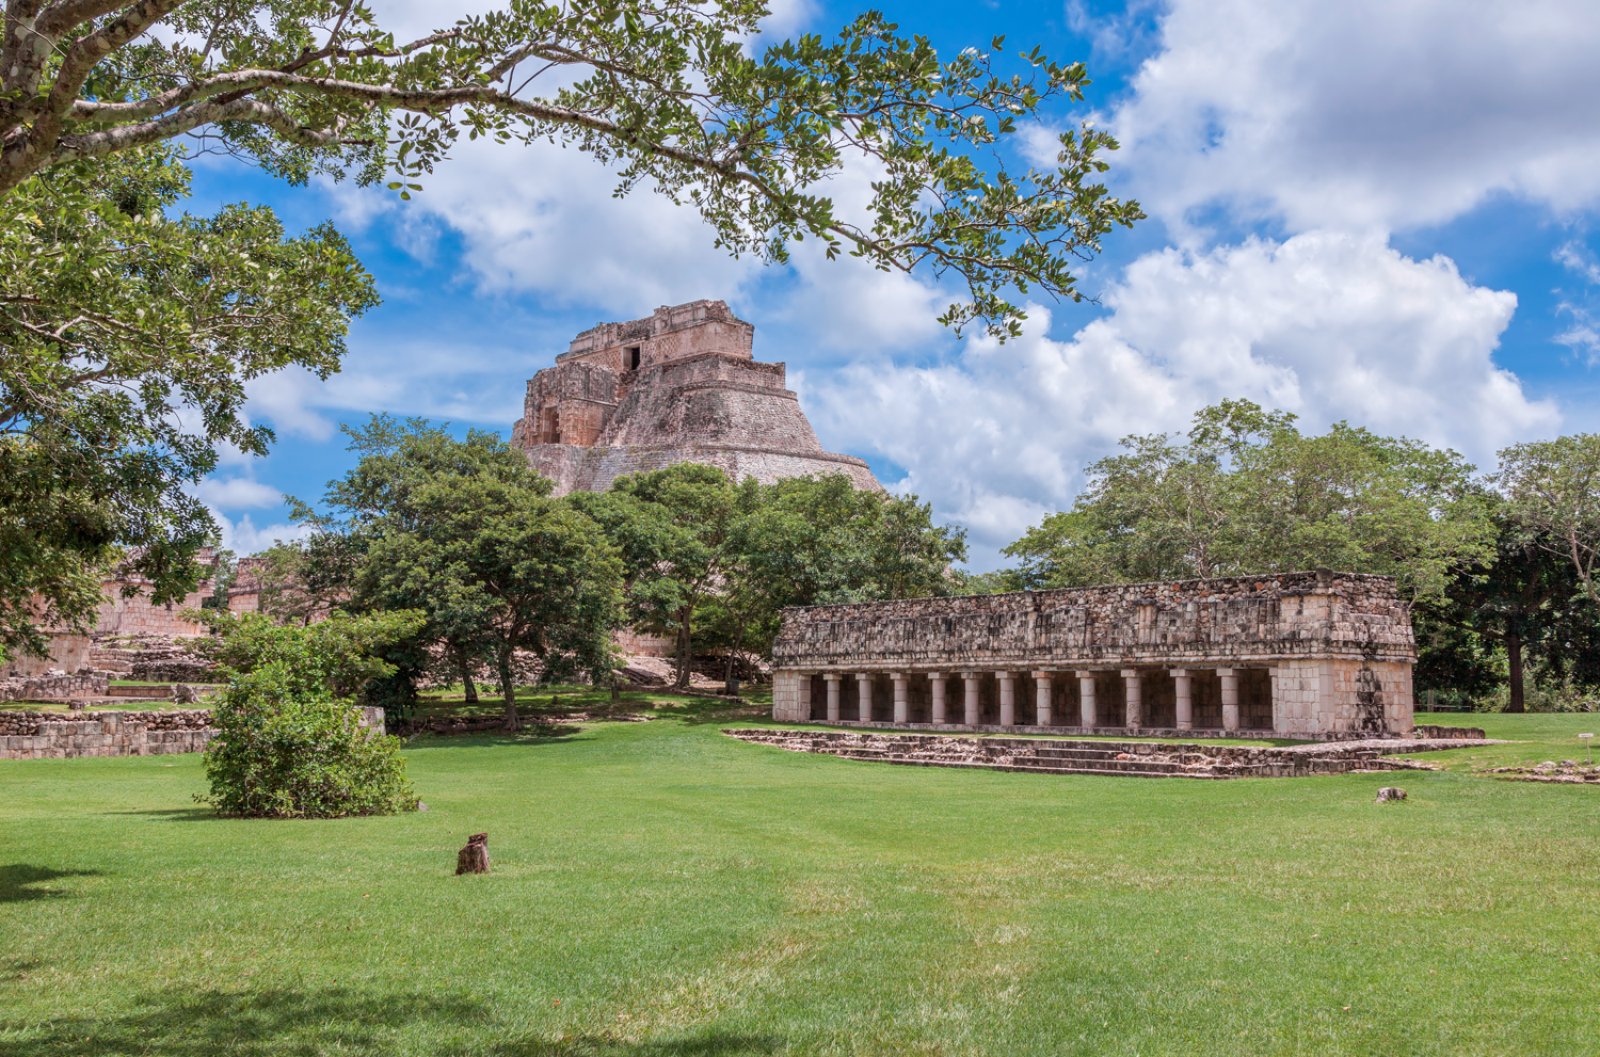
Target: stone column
{"points": [[1230, 697], [1008, 698], [1133, 716], [832, 679], [1041, 699], [936, 686], [864, 695], [1181, 691], [1088, 715], [970, 718], [902, 697], [802, 690], [1326, 714]]}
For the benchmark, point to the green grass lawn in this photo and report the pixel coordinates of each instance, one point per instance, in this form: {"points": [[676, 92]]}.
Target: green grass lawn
{"points": [[660, 890]]}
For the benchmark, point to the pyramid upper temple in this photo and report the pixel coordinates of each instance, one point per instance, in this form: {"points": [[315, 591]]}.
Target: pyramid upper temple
{"points": [[681, 385]]}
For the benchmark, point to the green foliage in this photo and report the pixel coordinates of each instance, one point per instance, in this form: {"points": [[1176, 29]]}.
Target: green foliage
{"points": [[674, 529], [713, 563], [283, 752], [998, 582], [1246, 492], [666, 92], [819, 540], [464, 532], [289, 743], [1552, 491], [340, 654], [128, 334], [1521, 607]]}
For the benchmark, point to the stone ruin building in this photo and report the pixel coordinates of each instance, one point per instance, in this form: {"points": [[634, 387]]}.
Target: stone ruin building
{"points": [[132, 636], [680, 385], [1315, 654]]}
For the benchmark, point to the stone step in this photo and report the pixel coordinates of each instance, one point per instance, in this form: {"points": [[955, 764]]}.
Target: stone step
{"points": [[1072, 756], [1023, 767], [1108, 765]]}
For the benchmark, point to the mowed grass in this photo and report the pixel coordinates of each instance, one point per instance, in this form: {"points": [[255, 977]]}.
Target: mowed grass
{"points": [[660, 889]]}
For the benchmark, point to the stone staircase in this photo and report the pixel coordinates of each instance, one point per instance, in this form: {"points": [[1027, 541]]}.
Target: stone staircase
{"points": [[148, 657], [1128, 759]]}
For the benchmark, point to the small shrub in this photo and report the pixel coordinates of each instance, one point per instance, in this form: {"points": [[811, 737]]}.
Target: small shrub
{"points": [[288, 744], [281, 754]]}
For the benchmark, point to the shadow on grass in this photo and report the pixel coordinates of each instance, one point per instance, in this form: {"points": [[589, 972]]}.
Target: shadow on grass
{"points": [[178, 814], [184, 1023], [19, 883], [530, 734], [695, 710], [715, 1044]]}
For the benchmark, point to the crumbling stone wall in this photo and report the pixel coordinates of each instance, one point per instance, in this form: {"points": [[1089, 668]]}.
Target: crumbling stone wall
{"points": [[53, 735], [1337, 648], [44, 735], [666, 334], [68, 651], [1233, 619]]}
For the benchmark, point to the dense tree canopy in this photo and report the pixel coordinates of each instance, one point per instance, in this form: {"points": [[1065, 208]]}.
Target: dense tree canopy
{"points": [[1552, 493], [1520, 599], [668, 91], [128, 333], [1247, 492], [713, 563], [464, 532], [677, 532]]}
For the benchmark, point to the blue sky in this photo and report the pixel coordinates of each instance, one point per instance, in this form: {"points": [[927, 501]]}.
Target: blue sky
{"points": [[1380, 210]]}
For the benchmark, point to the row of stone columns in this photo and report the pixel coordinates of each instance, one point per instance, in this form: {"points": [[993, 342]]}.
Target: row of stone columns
{"points": [[1088, 711]]}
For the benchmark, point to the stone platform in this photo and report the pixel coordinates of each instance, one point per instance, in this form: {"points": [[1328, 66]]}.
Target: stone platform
{"points": [[1131, 759]]}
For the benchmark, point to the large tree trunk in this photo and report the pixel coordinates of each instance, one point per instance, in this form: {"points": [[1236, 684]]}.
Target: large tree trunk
{"points": [[508, 689], [683, 653], [1514, 658], [465, 668]]}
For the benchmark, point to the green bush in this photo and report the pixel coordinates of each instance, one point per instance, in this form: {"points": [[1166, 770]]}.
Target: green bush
{"points": [[278, 754], [287, 744]]}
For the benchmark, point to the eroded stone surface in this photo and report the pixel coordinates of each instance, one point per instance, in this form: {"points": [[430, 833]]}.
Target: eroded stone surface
{"points": [[1313, 654], [48, 735], [680, 385]]}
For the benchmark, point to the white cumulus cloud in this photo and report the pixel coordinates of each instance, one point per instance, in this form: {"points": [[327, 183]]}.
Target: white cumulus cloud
{"points": [[244, 537], [1326, 325], [237, 493], [1387, 113]]}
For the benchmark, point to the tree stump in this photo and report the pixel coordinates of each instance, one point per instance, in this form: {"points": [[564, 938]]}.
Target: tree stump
{"points": [[474, 858]]}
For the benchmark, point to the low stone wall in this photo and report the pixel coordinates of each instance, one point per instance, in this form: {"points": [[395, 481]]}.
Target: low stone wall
{"points": [[54, 735], [55, 688], [46, 735]]}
